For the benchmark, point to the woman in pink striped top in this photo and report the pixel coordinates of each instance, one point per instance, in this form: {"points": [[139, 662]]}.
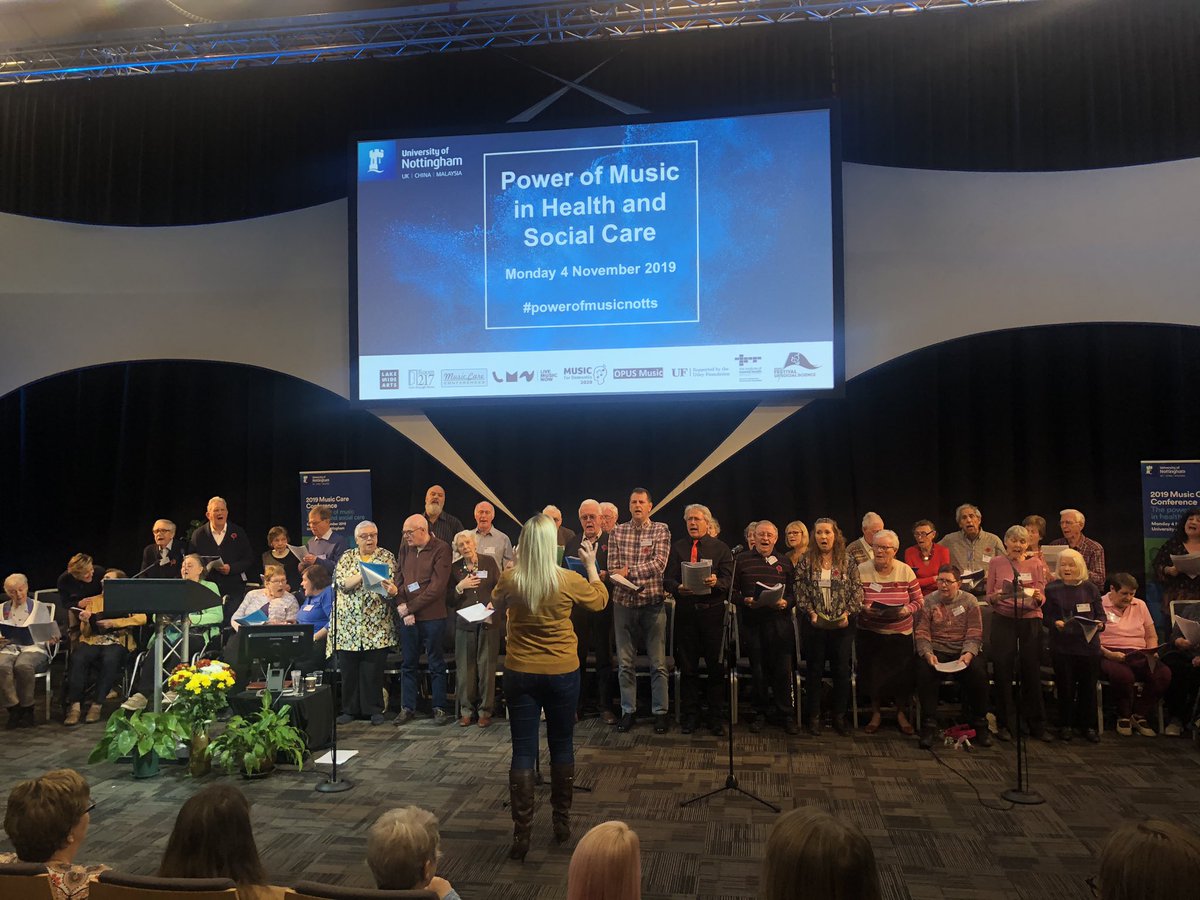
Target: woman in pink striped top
{"points": [[891, 596]]}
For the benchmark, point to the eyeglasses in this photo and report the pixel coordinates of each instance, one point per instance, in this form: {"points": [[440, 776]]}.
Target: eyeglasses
{"points": [[369, 534], [945, 581], [161, 531], [922, 534], [409, 531]]}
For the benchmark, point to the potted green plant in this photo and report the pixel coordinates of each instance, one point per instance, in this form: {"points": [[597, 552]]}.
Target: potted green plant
{"points": [[201, 693], [146, 736], [250, 745]]}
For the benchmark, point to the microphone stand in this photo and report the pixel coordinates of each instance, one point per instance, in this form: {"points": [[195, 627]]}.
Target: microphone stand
{"points": [[1021, 794], [332, 785], [728, 644]]}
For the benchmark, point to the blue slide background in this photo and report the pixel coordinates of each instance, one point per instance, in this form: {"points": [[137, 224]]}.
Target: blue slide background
{"points": [[764, 239]]}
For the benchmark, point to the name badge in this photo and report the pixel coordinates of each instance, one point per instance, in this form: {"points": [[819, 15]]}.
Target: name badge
{"points": [[481, 574], [874, 586], [1026, 577], [488, 551], [308, 607], [959, 610], [1113, 617], [771, 560], [414, 587], [647, 542], [1083, 607]]}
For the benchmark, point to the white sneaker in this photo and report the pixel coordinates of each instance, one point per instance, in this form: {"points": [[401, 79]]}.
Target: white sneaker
{"points": [[1174, 728], [135, 703]]}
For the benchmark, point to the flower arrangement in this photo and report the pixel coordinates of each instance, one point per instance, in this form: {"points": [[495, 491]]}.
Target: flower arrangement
{"points": [[201, 691]]}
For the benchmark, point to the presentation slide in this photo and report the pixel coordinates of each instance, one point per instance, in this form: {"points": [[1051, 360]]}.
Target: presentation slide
{"points": [[658, 258]]}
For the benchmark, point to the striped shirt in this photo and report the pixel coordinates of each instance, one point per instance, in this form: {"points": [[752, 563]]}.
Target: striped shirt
{"points": [[1032, 573], [889, 601]]}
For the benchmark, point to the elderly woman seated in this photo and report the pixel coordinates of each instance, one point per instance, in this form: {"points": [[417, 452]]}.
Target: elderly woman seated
{"points": [[1129, 651], [403, 850], [21, 658], [950, 631], [47, 820], [105, 642], [274, 601]]}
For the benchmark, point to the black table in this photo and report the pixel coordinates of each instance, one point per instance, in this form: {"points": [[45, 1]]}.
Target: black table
{"points": [[312, 712]]}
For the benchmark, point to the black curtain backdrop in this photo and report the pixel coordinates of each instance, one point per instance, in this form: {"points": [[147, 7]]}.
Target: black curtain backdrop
{"points": [[1060, 84], [1017, 422]]}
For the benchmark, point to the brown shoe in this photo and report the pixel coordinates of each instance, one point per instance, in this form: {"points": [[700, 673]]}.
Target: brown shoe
{"points": [[609, 717], [72, 716], [485, 721], [465, 720], [93, 714]]}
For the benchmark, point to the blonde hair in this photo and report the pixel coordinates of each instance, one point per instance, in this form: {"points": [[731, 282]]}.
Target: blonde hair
{"points": [[1150, 859], [831, 859], [271, 571], [536, 575], [42, 812], [79, 564], [606, 865], [400, 846], [1081, 569]]}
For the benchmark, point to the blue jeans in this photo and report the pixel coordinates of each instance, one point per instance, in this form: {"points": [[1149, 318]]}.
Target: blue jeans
{"points": [[527, 695], [412, 639], [649, 623]]}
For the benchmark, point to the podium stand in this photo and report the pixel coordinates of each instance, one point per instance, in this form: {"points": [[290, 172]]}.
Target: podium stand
{"points": [[165, 599]]}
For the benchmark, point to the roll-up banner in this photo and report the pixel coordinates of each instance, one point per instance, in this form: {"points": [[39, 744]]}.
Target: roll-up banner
{"points": [[345, 491], [1169, 488]]}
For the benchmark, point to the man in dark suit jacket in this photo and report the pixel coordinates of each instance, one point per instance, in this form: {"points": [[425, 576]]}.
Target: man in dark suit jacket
{"points": [[161, 559], [594, 630], [422, 574], [221, 538]]}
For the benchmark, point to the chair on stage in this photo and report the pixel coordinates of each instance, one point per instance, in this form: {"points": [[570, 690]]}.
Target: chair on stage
{"points": [[310, 890], [117, 886], [51, 598], [25, 881]]}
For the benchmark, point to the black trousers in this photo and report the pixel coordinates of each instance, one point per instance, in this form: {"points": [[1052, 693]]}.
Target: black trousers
{"points": [[594, 634], [887, 662], [973, 680], [699, 626], [768, 642], [105, 660], [819, 645], [362, 681], [1075, 678], [1185, 681], [1004, 663]]}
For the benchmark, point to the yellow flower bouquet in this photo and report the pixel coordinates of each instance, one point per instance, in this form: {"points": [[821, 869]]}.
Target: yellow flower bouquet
{"points": [[201, 691]]}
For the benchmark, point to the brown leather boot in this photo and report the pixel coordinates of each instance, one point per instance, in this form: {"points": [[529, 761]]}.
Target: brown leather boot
{"points": [[72, 716], [93, 714], [562, 788], [520, 795]]}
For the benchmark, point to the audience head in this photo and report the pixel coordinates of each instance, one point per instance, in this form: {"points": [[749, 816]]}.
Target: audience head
{"points": [[969, 519], [872, 524], [277, 538], [1151, 860], [319, 518], [217, 513], [1071, 568], [435, 501], [639, 506], [366, 536], [212, 838], [1070, 523], [48, 816], [315, 579], [606, 864], [416, 531], [948, 579], [536, 572], [766, 535], [590, 518], [403, 849], [163, 531], [811, 854], [795, 536], [1036, 526], [826, 538], [609, 515], [554, 513], [16, 587], [1188, 528], [485, 514], [192, 567], [80, 567], [696, 518], [924, 533]]}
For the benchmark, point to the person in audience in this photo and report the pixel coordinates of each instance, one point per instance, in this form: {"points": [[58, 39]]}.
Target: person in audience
{"points": [[1129, 650], [273, 599], [403, 848], [971, 548], [105, 643], [162, 557], [949, 629], [1150, 860], [489, 540], [204, 627], [1071, 522], [555, 514], [280, 555], [47, 820], [213, 838], [606, 864], [361, 629], [885, 630], [226, 553], [829, 597], [925, 557], [476, 644], [20, 663], [1070, 599], [315, 610], [766, 631], [861, 550], [423, 567], [811, 854], [75, 585], [594, 630], [1177, 585], [638, 551], [795, 538], [1017, 606], [699, 619], [1035, 527], [326, 546], [541, 670], [442, 525], [609, 515]]}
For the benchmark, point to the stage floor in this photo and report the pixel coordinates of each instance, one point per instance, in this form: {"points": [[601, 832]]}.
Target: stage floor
{"points": [[932, 838]]}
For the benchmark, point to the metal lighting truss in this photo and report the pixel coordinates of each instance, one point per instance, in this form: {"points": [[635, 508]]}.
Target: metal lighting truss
{"points": [[405, 31]]}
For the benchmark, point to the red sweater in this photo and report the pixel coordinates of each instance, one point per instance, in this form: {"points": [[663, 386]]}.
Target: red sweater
{"points": [[927, 571]]}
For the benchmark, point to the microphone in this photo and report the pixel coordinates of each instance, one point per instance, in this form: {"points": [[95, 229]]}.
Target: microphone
{"points": [[736, 550], [144, 571]]}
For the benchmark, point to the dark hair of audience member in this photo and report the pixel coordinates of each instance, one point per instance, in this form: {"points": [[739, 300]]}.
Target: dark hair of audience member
{"points": [[1151, 860], [212, 838], [1123, 581], [42, 813], [606, 865], [811, 854]]}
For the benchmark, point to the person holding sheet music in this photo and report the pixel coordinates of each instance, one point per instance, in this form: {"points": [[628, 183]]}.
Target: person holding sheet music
{"points": [[1129, 646], [104, 643], [765, 628], [1177, 584], [971, 548], [226, 552], [21, 658], [1072, 604], [476, 646], [326, 546], [272, 604], [362, 628], [699, 617], [280, 555], [423, 573], [891, 598], [1183, 659], [74, 585], [1017, 610]]}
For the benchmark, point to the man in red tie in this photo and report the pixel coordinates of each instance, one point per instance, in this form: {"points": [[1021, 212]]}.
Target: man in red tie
{"points": [[699, 616]]}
